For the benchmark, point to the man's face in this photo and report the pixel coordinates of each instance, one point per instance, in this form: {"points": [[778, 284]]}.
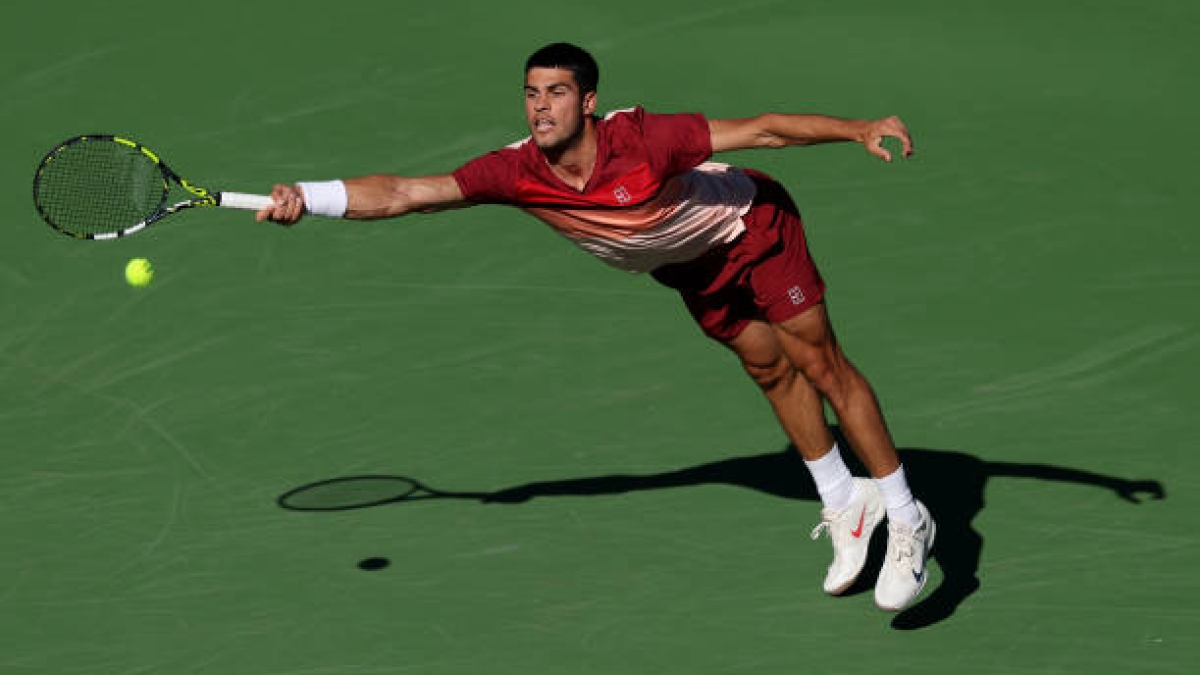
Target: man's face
{"points": [[554, 107]]}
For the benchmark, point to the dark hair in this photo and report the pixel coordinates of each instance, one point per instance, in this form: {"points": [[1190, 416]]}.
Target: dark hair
{"points": [[568, 57]]}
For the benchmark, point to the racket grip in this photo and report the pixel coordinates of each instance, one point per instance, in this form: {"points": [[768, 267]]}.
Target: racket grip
{"points": [[239, 200]]}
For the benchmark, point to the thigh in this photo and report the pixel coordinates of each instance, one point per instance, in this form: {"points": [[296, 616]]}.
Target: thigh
{"points": [[808, 338], [812, 326], [757, 346]]}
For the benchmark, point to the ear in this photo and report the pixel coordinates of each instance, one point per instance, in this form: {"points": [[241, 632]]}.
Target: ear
{"points": [[589, 103]]}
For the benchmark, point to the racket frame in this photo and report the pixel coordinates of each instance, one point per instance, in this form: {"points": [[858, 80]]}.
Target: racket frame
{"points": [[201, 197]]}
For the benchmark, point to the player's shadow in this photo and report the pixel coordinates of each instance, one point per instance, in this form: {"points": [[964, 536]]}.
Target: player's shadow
{"points": [[950, 483]]}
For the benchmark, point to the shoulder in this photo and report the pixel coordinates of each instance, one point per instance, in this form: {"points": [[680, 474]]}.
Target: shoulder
{"points": [[632, 115], [654, 126], [639, 116], [672, 142], [491, 177]]}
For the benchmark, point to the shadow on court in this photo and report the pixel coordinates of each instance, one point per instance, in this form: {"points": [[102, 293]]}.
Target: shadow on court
{"points": [[950, 483]]}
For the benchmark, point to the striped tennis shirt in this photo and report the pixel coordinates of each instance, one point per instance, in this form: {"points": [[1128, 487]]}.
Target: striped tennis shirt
{"points": [[653, 198]]}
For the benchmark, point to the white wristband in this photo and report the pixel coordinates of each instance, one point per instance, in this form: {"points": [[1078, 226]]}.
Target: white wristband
{"points": [[327, 198]]}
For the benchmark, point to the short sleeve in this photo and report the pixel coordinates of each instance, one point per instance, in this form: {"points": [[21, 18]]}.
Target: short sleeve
{"points": [[490, 178], [678, 142]]}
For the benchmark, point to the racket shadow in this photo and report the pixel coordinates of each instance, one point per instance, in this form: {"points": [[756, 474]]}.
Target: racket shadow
{"points": [[361, 492], [950, 482]]}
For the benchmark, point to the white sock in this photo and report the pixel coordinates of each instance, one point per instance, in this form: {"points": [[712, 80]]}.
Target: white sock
{"points": [[833, 479], [901, 506]]}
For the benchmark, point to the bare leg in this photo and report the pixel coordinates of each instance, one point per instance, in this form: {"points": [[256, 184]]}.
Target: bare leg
{"points": [[809, 343], [796, 403], [798, 364], [798, 374]]}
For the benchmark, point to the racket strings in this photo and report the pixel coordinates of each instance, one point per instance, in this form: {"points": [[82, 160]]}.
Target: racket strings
{"points": [[97, 186]]}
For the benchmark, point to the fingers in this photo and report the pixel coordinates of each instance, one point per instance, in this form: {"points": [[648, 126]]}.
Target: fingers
{"points": [[889, 127], [906, 144], [875, 147], [288, 207]]}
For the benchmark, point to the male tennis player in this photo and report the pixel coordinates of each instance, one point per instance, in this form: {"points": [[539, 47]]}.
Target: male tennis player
{"points": [[636, 189]]}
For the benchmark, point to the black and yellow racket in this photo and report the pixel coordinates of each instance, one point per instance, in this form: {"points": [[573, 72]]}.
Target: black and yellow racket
{"points": [[103, 187]]}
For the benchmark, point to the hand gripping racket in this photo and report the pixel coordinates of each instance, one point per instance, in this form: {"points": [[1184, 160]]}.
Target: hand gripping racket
{"points": [[104, 187]]}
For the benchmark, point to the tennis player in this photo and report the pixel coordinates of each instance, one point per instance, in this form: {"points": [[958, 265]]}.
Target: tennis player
{"points": [[637, 190]]}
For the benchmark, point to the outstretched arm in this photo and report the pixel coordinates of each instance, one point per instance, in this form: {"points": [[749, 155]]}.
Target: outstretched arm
{"points": [[370, 197], [775, 130]]}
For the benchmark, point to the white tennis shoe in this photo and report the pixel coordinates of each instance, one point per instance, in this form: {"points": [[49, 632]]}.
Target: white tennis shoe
{"points": [[850, 531], [905, 568]]}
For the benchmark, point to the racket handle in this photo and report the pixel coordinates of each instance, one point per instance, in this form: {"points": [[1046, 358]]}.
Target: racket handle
{"points": [[239, 200]]}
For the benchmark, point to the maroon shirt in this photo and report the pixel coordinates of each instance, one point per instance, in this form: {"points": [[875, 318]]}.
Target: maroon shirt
{"points": [[650, 200]]}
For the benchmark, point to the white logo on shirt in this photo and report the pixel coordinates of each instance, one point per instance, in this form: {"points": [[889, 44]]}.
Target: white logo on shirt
{"points": [[622, 195], [796, 295]]}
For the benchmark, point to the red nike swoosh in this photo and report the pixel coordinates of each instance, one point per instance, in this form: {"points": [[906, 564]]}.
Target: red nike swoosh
{"points": [[858, 533]]}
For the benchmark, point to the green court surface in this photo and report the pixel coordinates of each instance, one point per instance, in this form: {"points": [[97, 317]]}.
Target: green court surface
{"points": [[607, 493]]}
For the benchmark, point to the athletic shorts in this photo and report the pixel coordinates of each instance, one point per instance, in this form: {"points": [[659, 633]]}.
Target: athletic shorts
{"points": [[764, 274]]}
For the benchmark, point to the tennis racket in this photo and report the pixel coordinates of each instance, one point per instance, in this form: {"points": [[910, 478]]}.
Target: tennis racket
{"points": [[105, 187]]}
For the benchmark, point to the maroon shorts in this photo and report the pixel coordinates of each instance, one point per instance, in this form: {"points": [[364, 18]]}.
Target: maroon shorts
{"points": [[765, 274]]}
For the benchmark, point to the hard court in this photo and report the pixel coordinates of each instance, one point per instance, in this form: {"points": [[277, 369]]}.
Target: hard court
{"points": [[194, 472]]}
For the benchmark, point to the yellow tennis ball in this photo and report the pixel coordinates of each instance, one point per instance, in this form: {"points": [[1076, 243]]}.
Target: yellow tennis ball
{"points": [[139, 273]]}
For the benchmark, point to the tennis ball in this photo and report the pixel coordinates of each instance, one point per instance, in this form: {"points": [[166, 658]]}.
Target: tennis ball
{"points": [[139, 273]]}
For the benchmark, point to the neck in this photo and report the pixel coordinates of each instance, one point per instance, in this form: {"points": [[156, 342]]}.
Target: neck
{"points": [[574, 161]]}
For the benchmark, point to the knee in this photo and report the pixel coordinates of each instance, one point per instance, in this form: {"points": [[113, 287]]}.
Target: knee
{"points": [[827, 370], [771, 376]]}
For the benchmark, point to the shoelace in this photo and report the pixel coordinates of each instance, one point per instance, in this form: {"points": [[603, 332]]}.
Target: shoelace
{"points": [[826, 525], [903, 538]]}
